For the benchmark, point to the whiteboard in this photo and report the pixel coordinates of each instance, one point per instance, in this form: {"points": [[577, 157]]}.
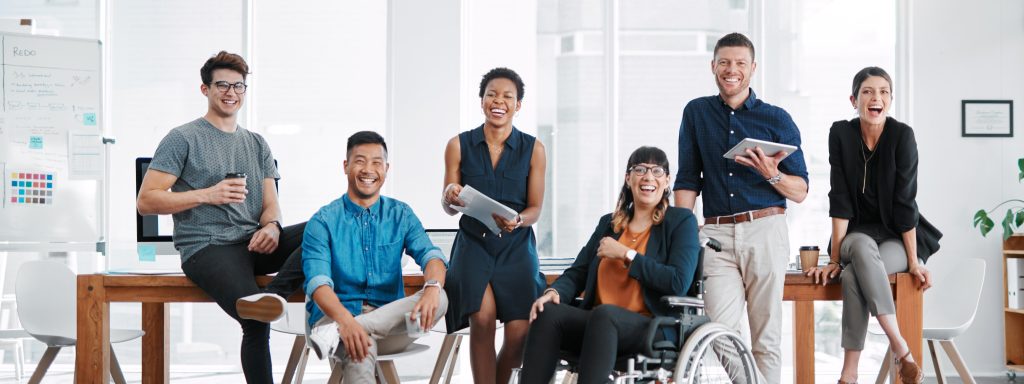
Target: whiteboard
{"points": [[51, 150]]}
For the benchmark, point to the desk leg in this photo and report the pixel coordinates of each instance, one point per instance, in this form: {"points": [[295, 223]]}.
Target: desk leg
{"points": [[909, 303], [155, 343], [92, 351], [803, 342]]}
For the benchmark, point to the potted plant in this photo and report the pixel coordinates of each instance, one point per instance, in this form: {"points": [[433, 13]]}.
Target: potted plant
{"points": [[1014, 217]]}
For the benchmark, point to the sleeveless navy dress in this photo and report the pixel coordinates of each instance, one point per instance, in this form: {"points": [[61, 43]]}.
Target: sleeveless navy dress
{"points": [[507, 262]]}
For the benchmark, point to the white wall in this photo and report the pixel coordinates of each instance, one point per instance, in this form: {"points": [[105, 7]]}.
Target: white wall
{"points": [[967, 50]]}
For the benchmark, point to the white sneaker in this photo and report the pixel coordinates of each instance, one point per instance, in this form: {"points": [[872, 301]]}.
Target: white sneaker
{"points": [[265, 307], [324, 340]]}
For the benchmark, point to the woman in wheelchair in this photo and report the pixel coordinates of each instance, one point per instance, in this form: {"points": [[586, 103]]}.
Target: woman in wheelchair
{"points": [[642, 251]]}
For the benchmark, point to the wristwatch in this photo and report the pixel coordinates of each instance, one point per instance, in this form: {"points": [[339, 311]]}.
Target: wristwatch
{"points": [[630, 254], [275, 222], [775, 179], [431, 283]]}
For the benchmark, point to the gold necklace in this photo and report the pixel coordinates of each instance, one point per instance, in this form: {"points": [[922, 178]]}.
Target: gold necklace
{"points": [[867, 158]]}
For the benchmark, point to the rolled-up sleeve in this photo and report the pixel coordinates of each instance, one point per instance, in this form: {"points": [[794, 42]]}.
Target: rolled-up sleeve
{"points": [[418, 244], [794, 164], [316, 255], [690, 164]]}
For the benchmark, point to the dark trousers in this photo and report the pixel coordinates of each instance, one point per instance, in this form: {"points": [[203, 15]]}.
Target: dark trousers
{"points": [[228, 272], [597, 336]]}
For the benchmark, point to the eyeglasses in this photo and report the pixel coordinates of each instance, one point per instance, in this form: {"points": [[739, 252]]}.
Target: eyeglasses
{"points": [[640, 170], [223, 86]]}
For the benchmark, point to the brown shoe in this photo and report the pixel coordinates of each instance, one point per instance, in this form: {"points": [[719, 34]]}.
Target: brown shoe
{"points": [[909, 372]]}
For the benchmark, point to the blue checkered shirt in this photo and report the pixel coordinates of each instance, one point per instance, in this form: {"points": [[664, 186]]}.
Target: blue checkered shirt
{"points": [[709, 129]]}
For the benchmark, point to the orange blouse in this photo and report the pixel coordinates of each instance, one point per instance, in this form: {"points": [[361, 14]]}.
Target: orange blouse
{"points": [[614, 286]]}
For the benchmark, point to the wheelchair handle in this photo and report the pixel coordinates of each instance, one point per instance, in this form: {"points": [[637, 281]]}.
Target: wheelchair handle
{"points": [[710, 242]]}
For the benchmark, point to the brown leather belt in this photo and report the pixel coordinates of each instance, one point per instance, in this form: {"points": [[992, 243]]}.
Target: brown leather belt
{"points": [[745, 216]]}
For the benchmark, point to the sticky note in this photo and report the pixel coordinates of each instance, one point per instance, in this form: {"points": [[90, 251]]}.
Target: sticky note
{"points": [[35, 142], [147, 252], [89, 118]]}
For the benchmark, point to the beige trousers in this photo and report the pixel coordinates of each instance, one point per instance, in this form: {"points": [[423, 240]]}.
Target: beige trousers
{"points": [[749, 273], [386, 327]]}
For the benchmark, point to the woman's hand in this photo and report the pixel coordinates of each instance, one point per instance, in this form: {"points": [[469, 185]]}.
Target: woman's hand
{"points": [[507, 225], [610, 248], [922, 274], [450, 196], [825, 273], [549, 296]]}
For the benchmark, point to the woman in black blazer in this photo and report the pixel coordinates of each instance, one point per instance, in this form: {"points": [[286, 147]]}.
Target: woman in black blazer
{"points": [[876, 227], [642, 251]]}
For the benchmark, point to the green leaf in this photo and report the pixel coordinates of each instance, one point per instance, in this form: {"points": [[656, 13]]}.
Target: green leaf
{"points": [[1007, 220], [1020, 218], [983, 223], [1020, 164]]}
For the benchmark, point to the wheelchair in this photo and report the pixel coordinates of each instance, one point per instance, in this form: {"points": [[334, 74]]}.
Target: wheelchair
{"points": [[704, 351]]}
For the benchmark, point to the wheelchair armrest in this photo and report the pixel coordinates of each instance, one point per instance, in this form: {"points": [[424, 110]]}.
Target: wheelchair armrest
{"points": [[652, 332], [682, 302]]}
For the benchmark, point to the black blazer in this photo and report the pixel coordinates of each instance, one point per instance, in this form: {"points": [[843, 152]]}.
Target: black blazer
{"points": [[666, 268], [896, 178]]}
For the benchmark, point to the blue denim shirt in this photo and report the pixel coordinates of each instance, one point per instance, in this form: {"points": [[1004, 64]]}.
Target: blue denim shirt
{"points": [[709, 129], [358, 252]]}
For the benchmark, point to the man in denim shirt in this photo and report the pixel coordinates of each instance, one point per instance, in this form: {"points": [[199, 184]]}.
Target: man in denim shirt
{"points": [[744, 200], [352, 258]]}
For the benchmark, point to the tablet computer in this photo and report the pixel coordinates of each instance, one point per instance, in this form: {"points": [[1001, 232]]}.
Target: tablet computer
{"points": [[769, 148]]}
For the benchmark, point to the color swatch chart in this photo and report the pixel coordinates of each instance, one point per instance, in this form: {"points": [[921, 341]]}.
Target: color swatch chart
{"points": [[31, 188]]}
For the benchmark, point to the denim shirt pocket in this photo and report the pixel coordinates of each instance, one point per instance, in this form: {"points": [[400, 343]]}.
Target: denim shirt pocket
{"points": [[389, 259], [513, 186]]}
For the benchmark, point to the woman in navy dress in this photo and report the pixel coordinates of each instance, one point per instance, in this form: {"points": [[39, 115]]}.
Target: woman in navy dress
{"points": [[495, 277]]}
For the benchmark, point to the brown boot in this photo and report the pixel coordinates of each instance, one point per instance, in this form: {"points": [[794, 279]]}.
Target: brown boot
{"points": [[908, 371]]}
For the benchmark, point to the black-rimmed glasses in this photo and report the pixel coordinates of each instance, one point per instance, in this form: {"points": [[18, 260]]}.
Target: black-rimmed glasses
{"points": [[223, 86], [640, 170]]}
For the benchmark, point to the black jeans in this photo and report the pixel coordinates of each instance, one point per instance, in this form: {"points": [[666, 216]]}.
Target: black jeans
{"points": [[228, 272], [597, 336]]}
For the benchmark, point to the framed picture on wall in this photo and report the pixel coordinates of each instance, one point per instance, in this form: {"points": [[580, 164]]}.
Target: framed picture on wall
{"points": [[986, 118]]}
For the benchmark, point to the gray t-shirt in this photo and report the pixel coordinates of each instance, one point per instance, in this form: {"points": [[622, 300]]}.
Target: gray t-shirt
{"points": [[200, 155]]}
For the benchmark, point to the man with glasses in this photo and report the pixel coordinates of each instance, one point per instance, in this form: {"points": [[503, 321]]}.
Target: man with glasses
{"points": [[744, 200], [217, 179]]}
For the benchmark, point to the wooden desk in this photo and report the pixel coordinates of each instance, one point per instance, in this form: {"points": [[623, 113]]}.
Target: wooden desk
{"points": [[802, 291], [97, 291]]}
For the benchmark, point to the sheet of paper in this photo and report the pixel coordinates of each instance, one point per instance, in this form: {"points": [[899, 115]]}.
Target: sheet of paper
{"points": [[85, 156], [480, 207]]}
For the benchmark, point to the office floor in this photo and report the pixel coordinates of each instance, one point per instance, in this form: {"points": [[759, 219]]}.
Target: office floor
{"points": [[7, 376]]}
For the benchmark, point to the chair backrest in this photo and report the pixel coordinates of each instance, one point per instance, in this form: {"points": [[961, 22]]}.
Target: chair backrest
{"points": [[46, 292], [953, 300]]}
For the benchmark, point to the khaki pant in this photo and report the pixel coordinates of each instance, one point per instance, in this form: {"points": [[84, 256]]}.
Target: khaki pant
{"points": [[386, 327], [749, 273]]}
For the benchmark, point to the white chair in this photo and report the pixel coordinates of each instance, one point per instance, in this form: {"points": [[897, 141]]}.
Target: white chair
{"points": [[11, 337], [949, 309], [294, 323], [46, 295]]}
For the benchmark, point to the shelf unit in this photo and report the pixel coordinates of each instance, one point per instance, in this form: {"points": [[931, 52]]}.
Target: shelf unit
{"points": [[1013, 318]]}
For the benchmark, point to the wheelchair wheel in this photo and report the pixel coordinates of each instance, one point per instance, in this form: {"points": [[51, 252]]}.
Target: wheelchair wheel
{"points": [[715, 353]]}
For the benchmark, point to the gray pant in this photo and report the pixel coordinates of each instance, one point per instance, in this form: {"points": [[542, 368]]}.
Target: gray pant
{"points": [[867, 266], [386, 327]]}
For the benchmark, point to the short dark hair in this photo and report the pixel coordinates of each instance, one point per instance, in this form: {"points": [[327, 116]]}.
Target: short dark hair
{"points": [[503, 73], [864, 74], [735, 39], [223, 60], [365, 137]]}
